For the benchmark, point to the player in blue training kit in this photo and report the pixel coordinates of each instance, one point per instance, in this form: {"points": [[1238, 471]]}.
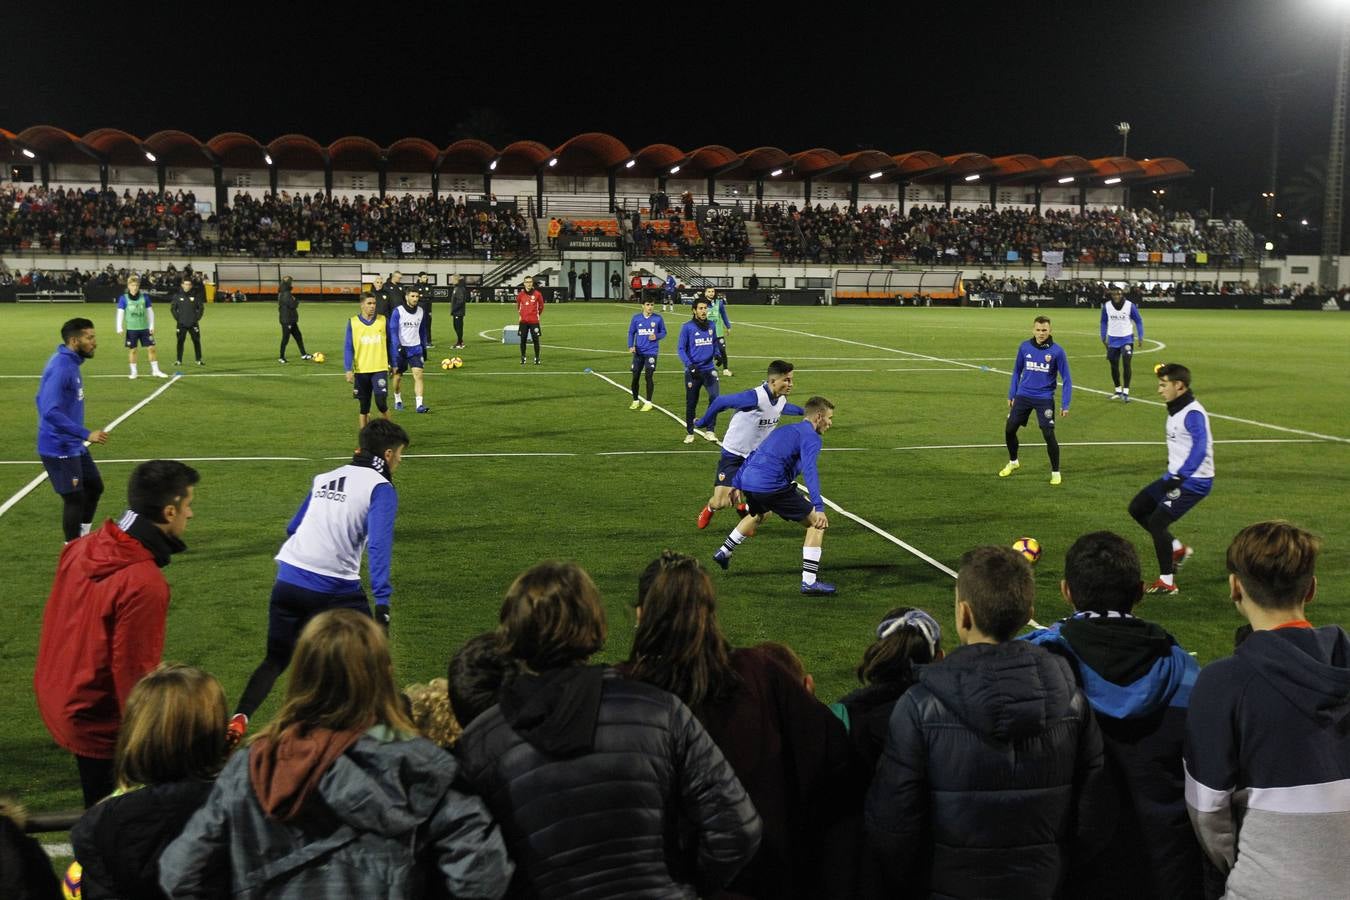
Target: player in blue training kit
{"points": [[61, 432], [1040, 363], [1189, 477], [409, 333], [757, 413], [347, 510], [645, 333], [697, 348], [768, 479], [1120, 320]]}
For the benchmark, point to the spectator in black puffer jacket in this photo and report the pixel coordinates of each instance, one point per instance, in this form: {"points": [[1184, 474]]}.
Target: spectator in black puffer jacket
{"points": [[991, 783], [604, 787]]}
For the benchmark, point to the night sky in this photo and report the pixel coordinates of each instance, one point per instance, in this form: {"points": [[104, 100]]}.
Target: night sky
{"points": [[1045, 78]]}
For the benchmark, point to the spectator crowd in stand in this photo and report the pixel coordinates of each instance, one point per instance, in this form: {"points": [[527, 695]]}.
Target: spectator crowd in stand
{"points": [[935, 234], [443, 227], [76, 220]]}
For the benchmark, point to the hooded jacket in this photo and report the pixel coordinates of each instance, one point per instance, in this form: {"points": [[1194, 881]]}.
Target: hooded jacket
{"points": [[991, 780], [102, 631], [383, 821], [606, 787], [1268, 763], [120, 840], [1139, 681]]}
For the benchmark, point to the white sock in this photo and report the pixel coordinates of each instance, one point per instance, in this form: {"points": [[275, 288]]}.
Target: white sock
{"points": [[154, 366], [810, 564], [85, 528], [733, 541], [1054, 472], [1166, 579], [398, 398], [133, 368], [419, 399], [1124, 390], [1176, 545]]}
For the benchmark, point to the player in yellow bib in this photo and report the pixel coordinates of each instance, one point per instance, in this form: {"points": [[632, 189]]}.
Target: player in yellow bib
{"points": [[367, 359]]}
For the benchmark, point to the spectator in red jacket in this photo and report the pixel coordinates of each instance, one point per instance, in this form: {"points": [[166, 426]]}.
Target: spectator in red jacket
{"points": [[103, 627]]}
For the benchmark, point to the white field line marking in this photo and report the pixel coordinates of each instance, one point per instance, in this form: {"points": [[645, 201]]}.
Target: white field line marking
{"points": [[1111, 444], [29, 462], [678, 419], [834, 506], [58, 850], [910, 353], [28, 488]]}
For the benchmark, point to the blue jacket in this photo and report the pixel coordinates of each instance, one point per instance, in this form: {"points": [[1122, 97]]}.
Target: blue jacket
{"points": [[697, 346], [790, 451], [1138, 681], [644, 334], [1036, 369], [60, 405]]}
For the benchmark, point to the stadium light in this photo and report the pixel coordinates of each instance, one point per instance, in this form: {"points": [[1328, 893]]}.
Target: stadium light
{"points": [[1068, 180], [975, 177], [29, 153], [775, 173], [492, 166], [1111, 181], [553, 162], [267, 158], [1269, 246], [150, 156], [630, 164], [876, 175], [674, 170]]}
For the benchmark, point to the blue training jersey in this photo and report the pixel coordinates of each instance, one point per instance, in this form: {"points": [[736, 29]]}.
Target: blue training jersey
{"points": [[60, 405], [644, 334], [1036, 370], [697, 346], [790, 451]]}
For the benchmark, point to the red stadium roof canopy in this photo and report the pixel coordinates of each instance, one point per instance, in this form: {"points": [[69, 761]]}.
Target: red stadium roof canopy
{"points": [[590, 153]]}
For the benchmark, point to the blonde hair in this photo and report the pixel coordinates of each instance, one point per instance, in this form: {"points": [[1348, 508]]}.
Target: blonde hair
{"points": [[173, 728], [431, 712], [341, 678]]}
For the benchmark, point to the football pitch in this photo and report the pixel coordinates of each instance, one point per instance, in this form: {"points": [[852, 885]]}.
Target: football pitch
{"points": [[517, 464]]}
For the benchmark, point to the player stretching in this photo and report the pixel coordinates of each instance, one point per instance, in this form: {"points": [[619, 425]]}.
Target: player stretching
{"points": [[697, 347], [1120, 320], [769, 482], [409, 331], [530, 305], [346, 510], [135, 312], [1040, 362], [758, 412], [1188, 479], [366, 357], [645, 333]]}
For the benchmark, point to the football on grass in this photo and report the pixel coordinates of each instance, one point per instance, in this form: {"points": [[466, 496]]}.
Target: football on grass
{"points": [[1029, 547], [319, 357]]}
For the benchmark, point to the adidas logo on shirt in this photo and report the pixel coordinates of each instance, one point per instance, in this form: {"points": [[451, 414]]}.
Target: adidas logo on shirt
{"points": [[334, 490]]}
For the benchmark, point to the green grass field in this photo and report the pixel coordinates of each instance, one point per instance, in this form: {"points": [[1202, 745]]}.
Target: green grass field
{"points": [[515, 465]]}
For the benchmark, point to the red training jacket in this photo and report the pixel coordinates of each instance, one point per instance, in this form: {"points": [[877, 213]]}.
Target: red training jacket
{"points": [[102, 631], [530, 306]]}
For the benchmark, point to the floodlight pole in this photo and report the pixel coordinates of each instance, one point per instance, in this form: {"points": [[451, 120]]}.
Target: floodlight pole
{"points": [[1332, 208]]}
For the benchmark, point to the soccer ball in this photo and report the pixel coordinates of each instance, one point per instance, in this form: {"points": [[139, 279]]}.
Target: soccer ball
{"points": [[453, 362], [319, 357], [71, 882], [1029, 547]]}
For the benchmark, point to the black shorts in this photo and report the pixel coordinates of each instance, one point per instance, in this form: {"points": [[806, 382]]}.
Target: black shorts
{"points": [[409, 358], [1175, 501], [643, 363], [368, 384], [292, 606], [787, 503], [1023, 408], [1115, 353], [528, 330], [69, 474], [728, 464]]}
